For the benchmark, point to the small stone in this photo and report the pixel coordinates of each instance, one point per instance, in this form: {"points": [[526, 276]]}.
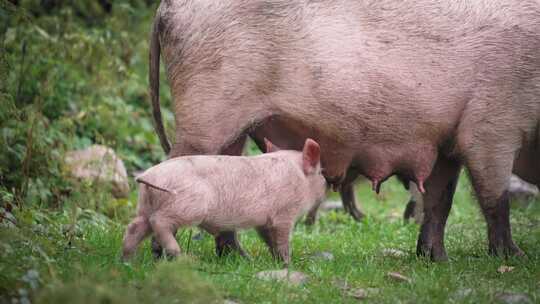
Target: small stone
{"points": [[394, 253], [331, 205], [227, 301], [340, 284], [513, 298], [358, 293], [99, 164], [394, 216], [284, 275], [398, 277], [323, 255], [463, 293], [504, 268], [372, 291], [519, 190], [198, 237]]}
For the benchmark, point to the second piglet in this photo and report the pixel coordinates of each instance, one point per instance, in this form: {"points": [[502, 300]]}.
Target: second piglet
{"points": [[226, 193]]}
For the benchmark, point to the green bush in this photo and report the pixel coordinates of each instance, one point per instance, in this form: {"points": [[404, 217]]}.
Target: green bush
{"points": [[72, 74], [76, 74]]}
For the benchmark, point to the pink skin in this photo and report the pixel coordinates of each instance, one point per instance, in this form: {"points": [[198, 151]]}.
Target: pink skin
{"points": [[227, 193], [417, 88], [287, 136]]}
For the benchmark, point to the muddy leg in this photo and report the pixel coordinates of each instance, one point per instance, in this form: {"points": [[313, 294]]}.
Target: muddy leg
{"points": [[499, 230], [440, 187], [409, 209], [227, 242], [311, 216], [490, 178], [349, 201], [136, 231], [415, 207], [266, 236]]}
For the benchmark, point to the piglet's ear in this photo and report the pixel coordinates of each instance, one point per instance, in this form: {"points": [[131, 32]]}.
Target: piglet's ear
{"points": [[311, 156], [270, 147]]}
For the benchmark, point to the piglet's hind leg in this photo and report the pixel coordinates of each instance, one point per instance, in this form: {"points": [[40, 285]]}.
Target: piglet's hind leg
{"points": [[136, 231], [163, 231]]}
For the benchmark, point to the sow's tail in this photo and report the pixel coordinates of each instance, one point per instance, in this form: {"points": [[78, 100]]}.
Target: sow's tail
{"points": [[154, 87]]}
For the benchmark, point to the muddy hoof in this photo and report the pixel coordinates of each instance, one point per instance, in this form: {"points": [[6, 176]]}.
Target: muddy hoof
{"points": [[357, 215], [226, 243], [157, 250], [310, 220], [434, 253], [510, 250]]}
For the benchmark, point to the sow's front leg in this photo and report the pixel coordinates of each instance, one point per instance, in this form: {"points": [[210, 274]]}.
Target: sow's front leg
{"points": [[227, 242], [440, 188], [349, 202]]}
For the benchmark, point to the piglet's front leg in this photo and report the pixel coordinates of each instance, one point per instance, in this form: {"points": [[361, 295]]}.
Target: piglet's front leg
{"points": [[280, 234]]}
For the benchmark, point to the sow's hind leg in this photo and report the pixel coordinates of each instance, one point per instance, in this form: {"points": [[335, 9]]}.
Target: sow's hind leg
{"points": [[490, 174]]}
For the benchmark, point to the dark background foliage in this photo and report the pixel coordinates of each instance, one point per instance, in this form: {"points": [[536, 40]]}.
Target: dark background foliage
{"points": [[73, 73]]}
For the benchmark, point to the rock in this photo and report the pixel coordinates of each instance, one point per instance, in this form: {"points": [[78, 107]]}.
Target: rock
{"points": [[227, 301], [284, 275], [504, 268], [372, 291], [340, 284], [198, 237], [520, 190], [331, 205], [513, 298], [463, 293], [393, 253], [396, 276], [7, 219], [323, 255], [358, 293], [362, 293], [99, 164]]}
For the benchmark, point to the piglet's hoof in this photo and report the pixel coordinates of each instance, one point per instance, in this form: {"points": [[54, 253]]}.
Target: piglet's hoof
{"points": [[157, 250]]}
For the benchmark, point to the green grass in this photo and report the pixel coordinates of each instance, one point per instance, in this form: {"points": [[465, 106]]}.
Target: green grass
{"points": [[469, 277]]}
